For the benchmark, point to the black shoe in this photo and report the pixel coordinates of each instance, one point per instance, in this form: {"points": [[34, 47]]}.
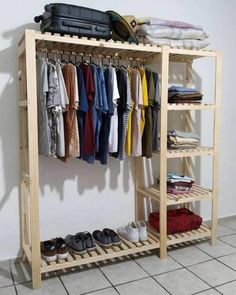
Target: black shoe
{"points": [[88, 240], [113, 236], [76, 244], [102, 239]]}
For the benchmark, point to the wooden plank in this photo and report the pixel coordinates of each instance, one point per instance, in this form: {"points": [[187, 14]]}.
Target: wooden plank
{"points": [[163, 151], [215, 179], [199, 151], [33, 156], [192, 52], [189, 106]]}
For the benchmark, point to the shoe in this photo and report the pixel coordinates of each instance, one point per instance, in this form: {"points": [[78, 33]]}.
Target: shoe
{"points": [[48, 251], [102, 239], [142, 230], [113, 235], [61, 247], [129, 232], [88, 240], [76, 244]]}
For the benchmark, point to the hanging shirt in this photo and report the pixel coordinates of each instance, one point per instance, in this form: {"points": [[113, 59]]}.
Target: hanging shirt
{"points": [[114, 97], [42, 90], [156, 108], [145, 96], [137, 97], [72, 145], [89, 135], [129, 128], [83, 108]]}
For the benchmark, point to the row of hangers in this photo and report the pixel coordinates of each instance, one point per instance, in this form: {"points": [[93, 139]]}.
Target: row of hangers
{"points": [[72, 57]]}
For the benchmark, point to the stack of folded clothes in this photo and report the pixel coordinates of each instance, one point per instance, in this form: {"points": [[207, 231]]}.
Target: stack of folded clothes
{"points": [[173, 33], [177, 139], [179, 94], [178, 221], [179, 184]]}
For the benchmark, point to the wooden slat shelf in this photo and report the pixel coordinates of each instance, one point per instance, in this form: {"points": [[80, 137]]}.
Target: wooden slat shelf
{"points": [[194, 235], [198, 193], [199, 151], [189, 106], [126, 248]]}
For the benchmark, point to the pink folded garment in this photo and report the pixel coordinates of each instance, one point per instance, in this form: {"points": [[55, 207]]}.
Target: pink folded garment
{"points": [[177, 192]]}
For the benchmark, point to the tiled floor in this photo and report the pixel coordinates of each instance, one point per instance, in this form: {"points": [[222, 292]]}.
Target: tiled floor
{"points": [[196, 269]]}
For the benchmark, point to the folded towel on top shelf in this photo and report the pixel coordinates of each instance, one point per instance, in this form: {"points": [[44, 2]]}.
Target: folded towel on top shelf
{"points": [[173, 33]]}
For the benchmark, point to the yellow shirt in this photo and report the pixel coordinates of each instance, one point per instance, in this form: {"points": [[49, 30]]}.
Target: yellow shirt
{"points": [[145, 96]]}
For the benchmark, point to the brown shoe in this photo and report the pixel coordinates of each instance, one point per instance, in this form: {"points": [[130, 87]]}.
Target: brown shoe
{"points": [[48, 251], [61, 247]]}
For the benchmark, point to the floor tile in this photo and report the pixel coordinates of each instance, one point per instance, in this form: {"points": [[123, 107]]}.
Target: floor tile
{"points": [[231, 223], [181, 282], [146, 286], [220, 249], [209, 292], [224, 231], [123, 272], [214, 272], [229, 260], [21, 272], [85, 281], [189, 256], [8, 290], [5, 274], [231, 240], [154, 265], [50, 286], [227, 289], [108, 291]]}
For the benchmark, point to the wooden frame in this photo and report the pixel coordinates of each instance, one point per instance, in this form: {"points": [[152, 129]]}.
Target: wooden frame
{"points": [[28, 172]]}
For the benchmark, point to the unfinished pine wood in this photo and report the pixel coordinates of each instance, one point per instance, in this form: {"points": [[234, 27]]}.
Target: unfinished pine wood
{"points": [[33, 155], [198, 151], [198, 193], [28, 174], [126, 248], [215, 180], [193, 235], [163, 149]]}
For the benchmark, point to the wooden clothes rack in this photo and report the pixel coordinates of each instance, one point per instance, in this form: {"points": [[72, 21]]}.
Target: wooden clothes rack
{"points": [[33, 41]]}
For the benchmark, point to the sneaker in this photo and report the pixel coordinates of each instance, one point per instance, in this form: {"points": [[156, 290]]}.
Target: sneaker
{"points": [[88, 240], [129, 232], [102, 239], [48, 251], [113, 235], [61, 247], [76, 244], [142, 230]]}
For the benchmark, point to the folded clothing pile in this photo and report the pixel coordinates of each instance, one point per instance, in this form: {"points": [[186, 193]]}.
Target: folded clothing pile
{"points": [[173, 33], [177, 139], [179, 184], [178, 220], [180, 94]]}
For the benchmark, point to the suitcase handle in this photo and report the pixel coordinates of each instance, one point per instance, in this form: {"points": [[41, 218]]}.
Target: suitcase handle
{"points": [[81, 26]]}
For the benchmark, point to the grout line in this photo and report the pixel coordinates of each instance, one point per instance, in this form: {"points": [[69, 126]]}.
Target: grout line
{"points": [[108, 279], [12, 277], [63, 284], [214, 256], [15, 289]]}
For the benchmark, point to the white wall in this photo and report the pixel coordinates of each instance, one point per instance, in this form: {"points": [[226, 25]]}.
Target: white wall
{"points": [[77, 196]]}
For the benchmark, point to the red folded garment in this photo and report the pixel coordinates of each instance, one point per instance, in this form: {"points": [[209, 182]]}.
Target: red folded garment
{"points": [[178, 221]]}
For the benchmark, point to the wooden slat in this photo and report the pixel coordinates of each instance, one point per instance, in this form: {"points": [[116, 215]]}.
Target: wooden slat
{"points": [[190, 106], [198, 151]]}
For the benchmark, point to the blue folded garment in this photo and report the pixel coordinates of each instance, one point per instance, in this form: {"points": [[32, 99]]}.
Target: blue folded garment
{"points": [[182, 89], [183, 134]]}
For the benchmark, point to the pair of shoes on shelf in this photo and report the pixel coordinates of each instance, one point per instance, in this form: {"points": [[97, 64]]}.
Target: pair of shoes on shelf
{"points": [[81, 242], [54, 249], [106, 238], [134, 231]]}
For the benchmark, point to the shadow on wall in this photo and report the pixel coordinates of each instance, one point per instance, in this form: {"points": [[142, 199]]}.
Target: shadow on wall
{"points": [[9, 110]]}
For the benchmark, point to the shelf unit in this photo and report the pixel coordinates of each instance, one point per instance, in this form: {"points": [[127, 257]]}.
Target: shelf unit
{"points": [[34, 41]]}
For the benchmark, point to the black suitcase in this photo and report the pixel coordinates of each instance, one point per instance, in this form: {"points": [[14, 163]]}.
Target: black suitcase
{"points": [[74, 20]]}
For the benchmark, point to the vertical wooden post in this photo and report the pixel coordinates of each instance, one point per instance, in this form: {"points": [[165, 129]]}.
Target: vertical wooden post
{"points": [[163, 151], [215, 180], [187, 115], [33, 156]]}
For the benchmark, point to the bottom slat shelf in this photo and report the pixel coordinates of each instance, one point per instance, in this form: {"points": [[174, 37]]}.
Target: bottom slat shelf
{"points": [[126, 248], [201, 233]]}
